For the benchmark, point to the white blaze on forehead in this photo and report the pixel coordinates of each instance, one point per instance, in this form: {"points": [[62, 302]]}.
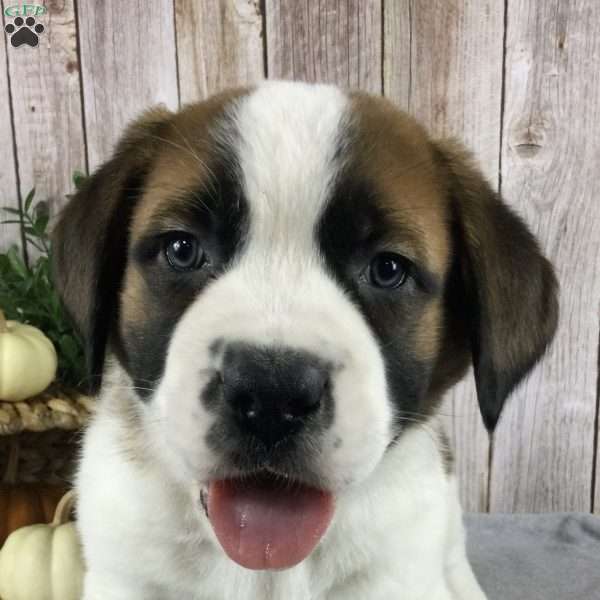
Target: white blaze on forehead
{"points": [[278, 291], [289, 133]]}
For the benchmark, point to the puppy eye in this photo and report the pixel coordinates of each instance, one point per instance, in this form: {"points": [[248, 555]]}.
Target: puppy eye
{"points": [[388, 270], [183, 252]]}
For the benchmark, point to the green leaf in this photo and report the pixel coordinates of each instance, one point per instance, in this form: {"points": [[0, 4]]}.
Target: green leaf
{"points": [[17, 263], [35, 244], [41, 222], [12, 211], [41, 209], [28, 294], [29, 199], [69, 347]]}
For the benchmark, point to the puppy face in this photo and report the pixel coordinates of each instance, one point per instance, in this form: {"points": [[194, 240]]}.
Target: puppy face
{"points": [[302, 256], [292, 275]]}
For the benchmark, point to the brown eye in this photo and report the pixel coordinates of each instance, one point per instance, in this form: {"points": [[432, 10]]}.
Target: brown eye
{"points": [[388, 270], [183, 252]]}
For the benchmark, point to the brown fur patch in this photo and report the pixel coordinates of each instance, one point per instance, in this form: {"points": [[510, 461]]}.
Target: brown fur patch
{"points": [[117, 200], [445, 449], [499, 291], [394, 152], [134, 297], [184, 162], [428, 330]]}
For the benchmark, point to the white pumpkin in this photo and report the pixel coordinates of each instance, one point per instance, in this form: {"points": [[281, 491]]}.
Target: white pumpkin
{"points": [[43, 562], [27, 361]]}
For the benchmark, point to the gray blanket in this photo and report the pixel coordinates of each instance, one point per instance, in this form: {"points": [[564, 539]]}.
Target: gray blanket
{"points": [[536, 557]]}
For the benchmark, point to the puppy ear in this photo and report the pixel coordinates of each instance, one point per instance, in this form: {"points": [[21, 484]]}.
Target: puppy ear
{"points": [[508, 289], [89, 244]]}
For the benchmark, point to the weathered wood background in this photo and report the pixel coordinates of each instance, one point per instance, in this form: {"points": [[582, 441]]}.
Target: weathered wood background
{"points": [[517, 80]]}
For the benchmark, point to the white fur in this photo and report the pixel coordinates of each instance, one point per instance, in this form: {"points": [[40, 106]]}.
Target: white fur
{"points": [[397, 535], [397, 529]]}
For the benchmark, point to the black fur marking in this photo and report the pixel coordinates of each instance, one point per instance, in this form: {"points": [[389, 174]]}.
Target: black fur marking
{"points": [[212, 394], [111, 277], [352, 230], [536, 284], [216, 347], [220, 223], [97, 238]]}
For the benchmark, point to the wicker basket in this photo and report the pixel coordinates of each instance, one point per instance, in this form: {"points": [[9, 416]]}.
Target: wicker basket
{"points": [[56, 408], [38, 437]]}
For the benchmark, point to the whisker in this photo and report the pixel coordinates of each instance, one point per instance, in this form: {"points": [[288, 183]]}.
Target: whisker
{"points": [[426, 428]]}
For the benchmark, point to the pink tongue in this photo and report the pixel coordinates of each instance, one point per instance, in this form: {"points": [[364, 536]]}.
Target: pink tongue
{"points": [[262, 525]]}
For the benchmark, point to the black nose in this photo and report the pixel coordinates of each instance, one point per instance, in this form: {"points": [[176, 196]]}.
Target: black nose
{"points": [[272, 392]]}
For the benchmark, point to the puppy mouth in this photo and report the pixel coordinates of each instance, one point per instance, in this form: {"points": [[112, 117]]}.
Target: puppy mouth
{"points": [[266, 522]]}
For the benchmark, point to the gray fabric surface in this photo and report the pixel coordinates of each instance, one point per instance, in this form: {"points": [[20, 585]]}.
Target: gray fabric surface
{"points": [[536, 557]]}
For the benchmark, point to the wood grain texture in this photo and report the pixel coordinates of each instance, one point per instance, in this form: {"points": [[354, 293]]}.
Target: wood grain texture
{"points": [[596, 477], [470, 444], [9, 234], [46, 102], [398, 29], [443, 63], [129, 64], [219, 45], [550, 165], [333, 41]]}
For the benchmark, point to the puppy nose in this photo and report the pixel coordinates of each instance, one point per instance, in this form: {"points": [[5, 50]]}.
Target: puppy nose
{"points": [[272, 392]]}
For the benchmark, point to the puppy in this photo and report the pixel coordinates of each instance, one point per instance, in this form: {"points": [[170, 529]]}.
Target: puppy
{"points": [[275, 287]]}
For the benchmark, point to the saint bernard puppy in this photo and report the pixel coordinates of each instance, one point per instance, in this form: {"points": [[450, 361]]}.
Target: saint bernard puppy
{"points": [[275, 287]]}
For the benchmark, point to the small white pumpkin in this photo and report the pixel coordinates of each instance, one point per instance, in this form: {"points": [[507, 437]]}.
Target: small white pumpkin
{"points": [[43, 562], [27, 361]]}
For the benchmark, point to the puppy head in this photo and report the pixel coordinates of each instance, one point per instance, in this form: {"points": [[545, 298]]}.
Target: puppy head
{"points": [[292, 275]]}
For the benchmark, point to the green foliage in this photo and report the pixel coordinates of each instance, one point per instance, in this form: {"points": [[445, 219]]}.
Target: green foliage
{"points": [[27, 293]]}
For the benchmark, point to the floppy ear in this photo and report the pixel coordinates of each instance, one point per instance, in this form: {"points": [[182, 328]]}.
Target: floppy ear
{"points": [[89, 244], [507, 289]]}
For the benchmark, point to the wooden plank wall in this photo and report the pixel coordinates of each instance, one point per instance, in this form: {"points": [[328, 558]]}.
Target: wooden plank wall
{"points": [[550, 160], [9, 195], [335, 41], [124, 69], [517, 81], [219, 45], [45, 107]]}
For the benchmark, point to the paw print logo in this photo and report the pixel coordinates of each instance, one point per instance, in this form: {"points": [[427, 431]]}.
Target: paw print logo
{"points": [[24, 31]]}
